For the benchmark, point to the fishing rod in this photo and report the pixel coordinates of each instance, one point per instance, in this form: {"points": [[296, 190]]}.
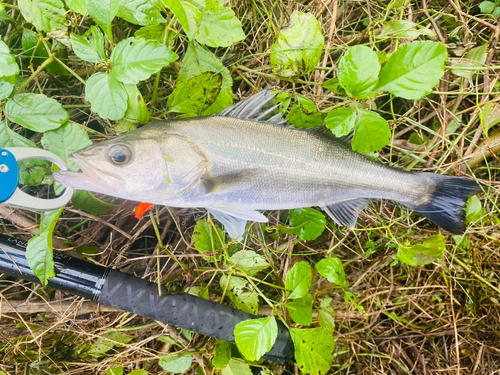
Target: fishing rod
{"points": [[111, 287]]}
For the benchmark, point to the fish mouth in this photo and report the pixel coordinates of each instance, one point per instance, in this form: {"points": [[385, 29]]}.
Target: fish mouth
{"points": [[90, 178]]}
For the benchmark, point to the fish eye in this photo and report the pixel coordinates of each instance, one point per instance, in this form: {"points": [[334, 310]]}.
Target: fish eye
{"points": [[120, 155]]}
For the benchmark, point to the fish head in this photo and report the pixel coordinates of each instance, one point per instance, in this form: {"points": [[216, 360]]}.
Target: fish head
{"points": [[126, 167]]}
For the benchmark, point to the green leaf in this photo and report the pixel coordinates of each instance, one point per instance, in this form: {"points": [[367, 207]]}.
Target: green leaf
{"points": [[304, 114], [474, 210], [298, 280], [134, 60], [475, 58], [77, 6], [413, 70], [86, 201], [6, 89], [45, 15], [36, 112], [313, 349], [241, 293], [195, 94], [236, 367], [326, 320], [208, 239], [300, 310], [138, 372], [431, 250], [371, 132], [298, 47], [489, 115], [198, 60], [255, 337], [107, 96], [490, 7], [222, 354], [115, 371], [176, 364], [341, 121], [140, 12], [39, 249], [107, 342], [333, 270], [178, 9], [137, 109], [103, 12], [404, 29], [309, 223], [33, 47], [66, 140], [31, 172], [8, 66], [249, 262], [219, 26], [89, 46], [358, 71]]}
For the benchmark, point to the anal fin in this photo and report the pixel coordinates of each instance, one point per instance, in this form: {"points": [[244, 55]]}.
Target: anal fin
{"points": [[346, 212], [235, 219]]}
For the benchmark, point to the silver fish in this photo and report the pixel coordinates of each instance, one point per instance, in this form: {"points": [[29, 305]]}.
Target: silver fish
{"points": [[246, 158]]}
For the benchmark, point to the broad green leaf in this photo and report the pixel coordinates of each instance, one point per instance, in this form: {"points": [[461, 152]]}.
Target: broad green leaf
{"points": [[208, 239], [103, 12], [305, 114], [490, 7], [195, 94], [249, 261], [66, 140], [236, 367], [358, 71], [39, 249], [298, 47], [431, 250], [489, 115], [134, 60], [137, 109], [241, 293], [475, 58], [255, 337], [396, 4], [219, 26], [107, 96], [36, 112], [31, 172], [300, 310], [194, 16], [371, 132], [6, 89], [326, 320], [140, 12], [404, 29], [474, 210], [8, 65], [351, 297], [45, 15], [33, 47], [414, 69], [78, 6], [333, 270], [298, 280], [198, 60], [309, 223], [89, 46], [222, 354], [178, 9], [115, 371], [138, 372], [176, 364], [341, 121], [154, 32], [88, 202], [107, 342], [313, 349]]}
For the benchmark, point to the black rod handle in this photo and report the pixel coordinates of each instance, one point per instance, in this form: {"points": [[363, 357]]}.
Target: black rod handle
{"points": [[138, 296]]}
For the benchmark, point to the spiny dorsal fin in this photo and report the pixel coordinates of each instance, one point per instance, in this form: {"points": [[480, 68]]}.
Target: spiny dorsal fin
{"points": [[346, 213], [259, 107]]}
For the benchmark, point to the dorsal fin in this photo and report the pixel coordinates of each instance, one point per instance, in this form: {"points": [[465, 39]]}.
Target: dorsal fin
{"points": [[259, 107]]}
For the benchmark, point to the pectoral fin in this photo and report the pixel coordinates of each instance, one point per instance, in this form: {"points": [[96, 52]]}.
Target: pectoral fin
{"points": [[226, 182], [346, 213], [235, 219]]}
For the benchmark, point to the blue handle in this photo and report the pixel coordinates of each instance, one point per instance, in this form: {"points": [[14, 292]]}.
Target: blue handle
{"points": [[9, 174]]}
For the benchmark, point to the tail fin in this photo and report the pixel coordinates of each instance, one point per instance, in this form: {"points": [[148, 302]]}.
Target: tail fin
{"points": [[446, 208]]}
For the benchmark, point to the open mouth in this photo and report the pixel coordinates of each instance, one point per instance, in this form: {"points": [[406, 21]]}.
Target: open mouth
{"points": [[91, 178]]}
